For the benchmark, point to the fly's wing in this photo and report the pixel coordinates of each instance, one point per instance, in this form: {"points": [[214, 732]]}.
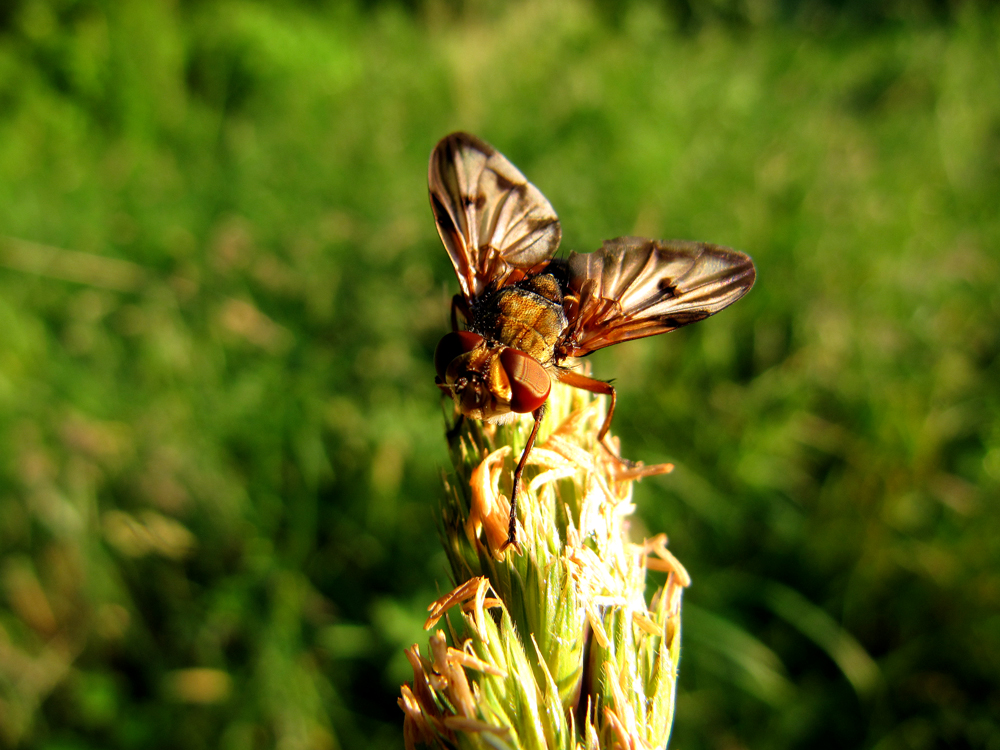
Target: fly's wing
{"points": [[634, 287], [490, 218]]}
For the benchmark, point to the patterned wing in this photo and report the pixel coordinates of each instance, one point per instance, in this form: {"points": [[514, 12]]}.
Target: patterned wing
{"points": [[490, 218], [634, 287]]}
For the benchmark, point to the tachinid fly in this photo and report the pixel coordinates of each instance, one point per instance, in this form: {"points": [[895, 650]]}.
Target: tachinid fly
{"points": [[526, 313]]}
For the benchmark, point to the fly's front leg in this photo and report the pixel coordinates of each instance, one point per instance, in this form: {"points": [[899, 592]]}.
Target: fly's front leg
{"points": [[512, 527]]}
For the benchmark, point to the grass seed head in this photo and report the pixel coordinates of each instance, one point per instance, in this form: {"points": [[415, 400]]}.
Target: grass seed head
{"points": [[552, 645]]}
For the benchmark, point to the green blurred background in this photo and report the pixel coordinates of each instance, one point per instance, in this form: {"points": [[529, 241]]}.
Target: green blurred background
{"points": [[220, 290]]}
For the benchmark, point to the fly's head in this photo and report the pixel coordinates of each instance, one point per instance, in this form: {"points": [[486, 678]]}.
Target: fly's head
{"points": [[489, 382]]}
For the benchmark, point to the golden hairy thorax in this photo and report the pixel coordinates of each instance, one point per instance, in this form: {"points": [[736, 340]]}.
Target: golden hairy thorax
{"points": [[528, 316]]}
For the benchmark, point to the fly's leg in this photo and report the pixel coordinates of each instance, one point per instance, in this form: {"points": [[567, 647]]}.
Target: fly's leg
{"points": [[577, 380], [459, 305], [512, 528], [456, 428], [631, 469]]}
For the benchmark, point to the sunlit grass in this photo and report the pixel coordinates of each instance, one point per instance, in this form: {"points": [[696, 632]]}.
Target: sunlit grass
{"points": [[220, 288]]}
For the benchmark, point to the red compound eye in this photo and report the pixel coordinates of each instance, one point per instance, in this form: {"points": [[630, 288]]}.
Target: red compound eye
{"points": [[529, 383], [453, 345]]}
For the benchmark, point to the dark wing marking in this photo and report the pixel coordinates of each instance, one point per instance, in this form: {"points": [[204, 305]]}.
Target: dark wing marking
{"points": [[633, 287], [490, 218]]}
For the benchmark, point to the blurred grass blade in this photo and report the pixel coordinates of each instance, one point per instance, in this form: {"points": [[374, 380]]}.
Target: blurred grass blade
{"points": [[71, 265], [760, 671], [814, 623]]}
